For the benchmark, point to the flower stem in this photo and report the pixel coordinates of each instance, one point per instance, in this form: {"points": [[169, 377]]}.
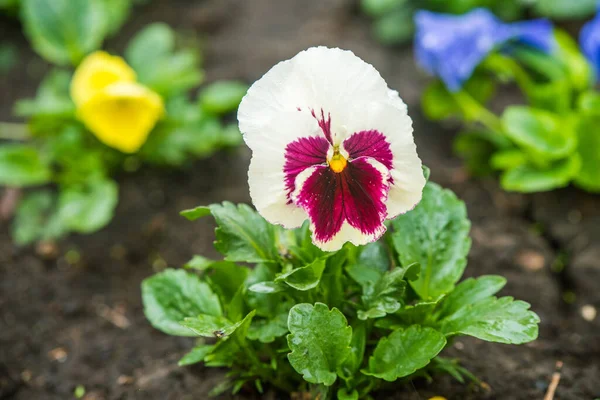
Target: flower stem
{"points": [[14, 131], [474, 111]]}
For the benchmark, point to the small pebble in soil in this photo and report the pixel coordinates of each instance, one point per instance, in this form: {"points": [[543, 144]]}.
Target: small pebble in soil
{"points": [[26, 375], [124, 380], [589, 312], [531, 260], [58, 354], [459, 345]]}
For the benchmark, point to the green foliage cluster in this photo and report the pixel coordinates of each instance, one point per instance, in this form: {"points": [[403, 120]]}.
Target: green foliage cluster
{"points": [[393, 19], [548, 143], [339, 324], [69, 168]]}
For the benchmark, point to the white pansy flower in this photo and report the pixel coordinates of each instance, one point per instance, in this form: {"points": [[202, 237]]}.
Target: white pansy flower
{"points": [[330, 143]]}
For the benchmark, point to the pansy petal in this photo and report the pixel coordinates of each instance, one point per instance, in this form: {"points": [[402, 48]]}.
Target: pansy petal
{"points": [[122, 115], [316, 79], [97, 71], [266, 175], [589, 39], [347, 206], [452, 46]]}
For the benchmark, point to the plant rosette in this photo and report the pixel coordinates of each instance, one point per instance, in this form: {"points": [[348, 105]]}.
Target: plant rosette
{"points": [[546, 144], [308, 297], [110, 114]]}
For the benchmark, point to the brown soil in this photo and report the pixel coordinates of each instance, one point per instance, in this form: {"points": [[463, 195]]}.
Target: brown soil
{"points": [[64, 324]]}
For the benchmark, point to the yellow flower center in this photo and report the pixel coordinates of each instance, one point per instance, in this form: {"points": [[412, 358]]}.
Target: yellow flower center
{"points": [[337, 162]]}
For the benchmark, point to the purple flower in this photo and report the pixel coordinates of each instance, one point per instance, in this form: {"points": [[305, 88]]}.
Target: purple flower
{"points": [[452, 46], [589, 40]]}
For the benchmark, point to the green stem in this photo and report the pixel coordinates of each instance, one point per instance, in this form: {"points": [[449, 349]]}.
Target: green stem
{"points": [[474, 111], [265, 373], [14, 131]]}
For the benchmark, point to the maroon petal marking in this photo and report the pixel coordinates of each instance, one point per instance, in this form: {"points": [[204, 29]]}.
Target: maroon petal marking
{"points": [[357, 195], [324, 124], [301, 154], [371, 143]]}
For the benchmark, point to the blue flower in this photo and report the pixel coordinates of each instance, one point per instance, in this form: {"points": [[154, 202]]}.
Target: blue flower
{"points": [[452, 46], [589, 40]]}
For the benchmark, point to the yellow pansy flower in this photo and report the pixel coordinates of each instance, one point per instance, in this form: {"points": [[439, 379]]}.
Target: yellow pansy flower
{"points": [[122, 115], [97, 71], [120, 112]]}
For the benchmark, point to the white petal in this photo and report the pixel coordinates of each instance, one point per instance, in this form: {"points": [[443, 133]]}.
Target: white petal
{"points": [[317, 78], [266, 178], [348, 234], [391, 119]]}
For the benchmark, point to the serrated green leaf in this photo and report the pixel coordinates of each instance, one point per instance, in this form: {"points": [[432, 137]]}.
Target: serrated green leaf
{"points": [[404, 352], [502, 320], [267, 330], [470, 291], [196, 355], [320, 341], [64, 31], [243, 235], [543, 134], [304, 278], [435, 235], [419, 313], [22, 165], [172, 295], [194, 213], [227, 351], [263, 294], [528, 178], [384, 295], [159, 65], [85, 209], [222, 97], [210, 325]]}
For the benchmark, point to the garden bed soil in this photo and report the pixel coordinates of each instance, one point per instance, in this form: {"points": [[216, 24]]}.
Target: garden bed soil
{"points": [[76, 319]]}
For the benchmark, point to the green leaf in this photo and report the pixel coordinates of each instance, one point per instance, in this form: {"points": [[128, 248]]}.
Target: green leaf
{"points": [[543, 134], [227, 351], [502, 320], [470, 291], [435, 235], [577, 66], [376, 8], [404, 352], [226, 278], [243, 235], [357, 352], [36, 219], [476, 148], [116, 13], [508, 159], [173, 295], [564, 9], [199, 263], [85, 209], [528, 178], [52, 98], [196, 355], [210, 325], [222, 97], [376, 256], [383, 296], [589, 151], [195, 213], [304, 278], [152, 54], [64, 31], [266, 287], [319, 340], [22, 166], [267, 330], [344, 394], [395, 27]]}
